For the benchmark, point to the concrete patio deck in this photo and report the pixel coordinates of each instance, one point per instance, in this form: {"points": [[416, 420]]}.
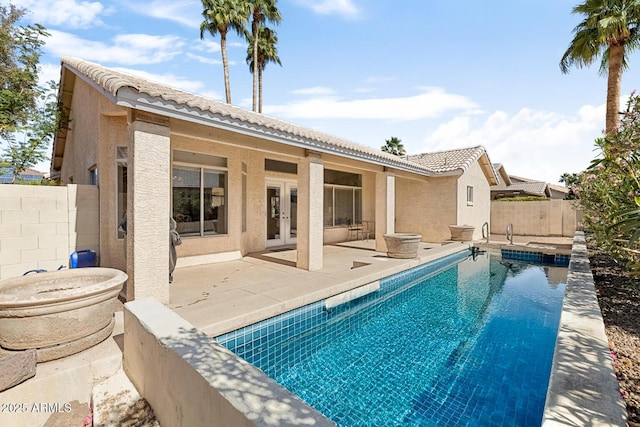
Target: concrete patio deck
{"points": [[218, 298]]}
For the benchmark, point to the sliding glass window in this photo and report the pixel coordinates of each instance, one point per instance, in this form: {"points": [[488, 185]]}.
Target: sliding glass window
{"points": [[199, 198], [342, 205]]}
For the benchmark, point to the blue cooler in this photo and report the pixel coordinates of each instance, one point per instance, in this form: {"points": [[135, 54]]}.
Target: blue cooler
{"points": [[85, 258]]}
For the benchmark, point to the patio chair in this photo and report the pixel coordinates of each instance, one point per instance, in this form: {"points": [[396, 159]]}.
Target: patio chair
{"points": [[369, 229], [354, 230]]}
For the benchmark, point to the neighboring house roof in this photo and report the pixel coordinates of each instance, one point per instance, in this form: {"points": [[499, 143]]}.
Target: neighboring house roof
{"points": [[528, 187], [559, 188], [457, 161], [516, 179], [502, 172], [138, 93], [533, 188], [29, 175]]}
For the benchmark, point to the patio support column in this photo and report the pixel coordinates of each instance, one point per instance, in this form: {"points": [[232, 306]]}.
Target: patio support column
{"points": [[148, 207], [385, 207], [310, 212]]}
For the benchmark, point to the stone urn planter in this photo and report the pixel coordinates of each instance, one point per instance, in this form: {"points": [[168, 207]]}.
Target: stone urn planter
{"points": [[402, 245], [462, 233], [59, 313]]}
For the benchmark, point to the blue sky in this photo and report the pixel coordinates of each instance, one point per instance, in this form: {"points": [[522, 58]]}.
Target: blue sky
{"points": [[437, 74]]}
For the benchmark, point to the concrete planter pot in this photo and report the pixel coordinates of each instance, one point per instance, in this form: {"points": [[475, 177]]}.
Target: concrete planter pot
{"points": [[462, 233], [402, 245], [58, 313]]}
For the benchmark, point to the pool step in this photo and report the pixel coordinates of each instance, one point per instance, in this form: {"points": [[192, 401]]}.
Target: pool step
{"points": [[356, 293]]}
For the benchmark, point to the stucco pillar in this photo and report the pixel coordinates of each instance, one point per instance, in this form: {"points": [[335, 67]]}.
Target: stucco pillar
{"points": [[148, 209], [310, 212], [385, 208]]}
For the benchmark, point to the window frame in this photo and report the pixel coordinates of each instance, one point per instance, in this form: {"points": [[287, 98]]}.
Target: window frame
{"points": [[354, 209], [469, 195], [93, 175], [122, 158], [202, 168]]}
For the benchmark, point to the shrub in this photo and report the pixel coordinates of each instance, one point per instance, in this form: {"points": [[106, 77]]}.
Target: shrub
{"points": [[609, 190]]}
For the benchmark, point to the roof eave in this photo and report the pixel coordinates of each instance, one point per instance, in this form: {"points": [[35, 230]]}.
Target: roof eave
{"points": [[131, 98]]}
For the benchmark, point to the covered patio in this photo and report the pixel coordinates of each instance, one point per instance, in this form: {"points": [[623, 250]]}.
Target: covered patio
{"points": [[221, 297]]}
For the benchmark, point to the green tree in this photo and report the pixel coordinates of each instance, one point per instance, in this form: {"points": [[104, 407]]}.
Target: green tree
{"points": [[394, 146], [609, 190], [220, 16], [262, 11], [267, 52], [570, 180], [30, 144], [609, 30], [19, 58]]}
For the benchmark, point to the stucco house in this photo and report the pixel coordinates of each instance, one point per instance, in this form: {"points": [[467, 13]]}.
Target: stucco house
{"points": [[458, 193], [235, 181], [516, 186]]}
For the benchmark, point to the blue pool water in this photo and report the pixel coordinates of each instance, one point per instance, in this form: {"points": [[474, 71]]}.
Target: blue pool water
{"points": [[459, 342]]}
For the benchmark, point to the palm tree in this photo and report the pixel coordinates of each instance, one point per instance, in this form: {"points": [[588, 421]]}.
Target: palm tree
{"points": [[261, 11], [394, 146], [267, 52], [609, 30], [220, 16]]}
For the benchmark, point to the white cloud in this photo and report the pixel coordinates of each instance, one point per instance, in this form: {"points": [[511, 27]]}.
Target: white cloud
{"points": [[70, 13], [317, 90], [204, 59], [207, 45], [530, 143], [127, 49], [432, 102], [185, 12], [48, 72], [329, 7]]}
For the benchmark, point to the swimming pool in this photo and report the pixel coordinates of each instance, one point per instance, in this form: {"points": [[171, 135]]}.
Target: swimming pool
{"points": [[461, 341]]}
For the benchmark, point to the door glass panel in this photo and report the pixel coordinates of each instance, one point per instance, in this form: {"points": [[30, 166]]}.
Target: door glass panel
{"points": [[273, 213], [293, 208]]}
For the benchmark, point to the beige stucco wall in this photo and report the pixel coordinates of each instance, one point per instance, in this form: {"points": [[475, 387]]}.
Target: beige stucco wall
{"points": [[535, 218], [40, 226], [478, 212], [429, 206], [96, 127], [113, 133], [190, 380], [426, 207]]}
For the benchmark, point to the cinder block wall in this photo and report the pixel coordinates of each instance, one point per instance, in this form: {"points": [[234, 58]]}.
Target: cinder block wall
{"points": [[536, 218], [41, 226]]}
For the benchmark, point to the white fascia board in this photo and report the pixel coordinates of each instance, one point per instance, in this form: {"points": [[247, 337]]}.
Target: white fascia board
{"points": [[133, 99]]}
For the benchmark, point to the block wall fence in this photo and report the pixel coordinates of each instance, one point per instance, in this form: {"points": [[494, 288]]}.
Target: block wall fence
{"points": [[40, 226], [537, 218]]}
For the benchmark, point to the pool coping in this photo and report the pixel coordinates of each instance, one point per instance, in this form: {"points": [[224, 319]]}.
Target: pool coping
{"points": [[583, 389]]}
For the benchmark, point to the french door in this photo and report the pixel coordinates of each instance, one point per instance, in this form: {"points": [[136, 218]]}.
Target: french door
{"points": [[282, 213]]}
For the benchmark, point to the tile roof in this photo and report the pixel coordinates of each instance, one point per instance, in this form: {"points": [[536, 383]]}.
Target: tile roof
{"points": [[451, 160], [559, 188], [167, 99], [537, 188]]}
